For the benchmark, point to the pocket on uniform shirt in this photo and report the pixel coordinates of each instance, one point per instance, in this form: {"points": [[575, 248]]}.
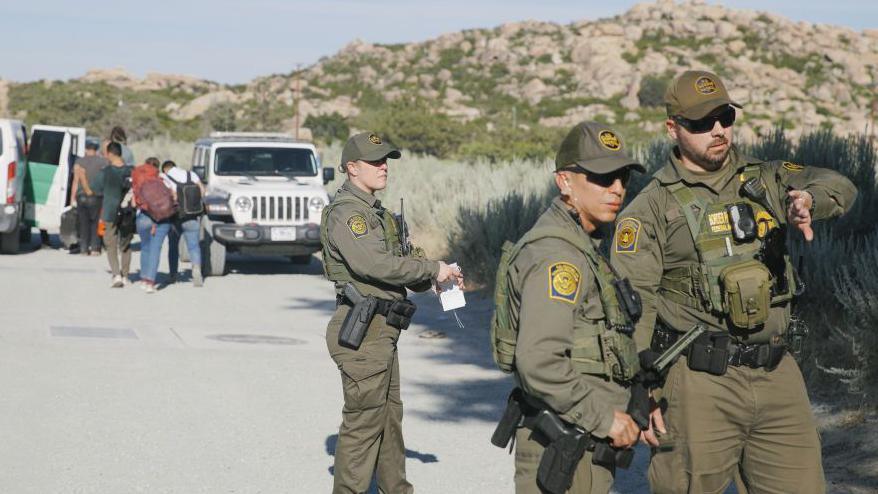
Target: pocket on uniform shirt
{"points": [[365, 383]]}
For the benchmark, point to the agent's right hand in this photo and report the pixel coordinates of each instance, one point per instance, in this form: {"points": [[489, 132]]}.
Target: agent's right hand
{"points": [[624, 432], [447, 272]]}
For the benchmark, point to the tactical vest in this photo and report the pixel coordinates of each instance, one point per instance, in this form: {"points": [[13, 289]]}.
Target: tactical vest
{"points": [[336, 270], [730, 279], [598, 348]]}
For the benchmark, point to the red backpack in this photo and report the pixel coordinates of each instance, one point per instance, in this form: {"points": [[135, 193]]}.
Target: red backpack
{"points": [[156, 199]]}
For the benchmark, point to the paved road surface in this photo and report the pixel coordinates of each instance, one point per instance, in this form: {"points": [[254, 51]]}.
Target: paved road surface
{"points": [[223, 389]]}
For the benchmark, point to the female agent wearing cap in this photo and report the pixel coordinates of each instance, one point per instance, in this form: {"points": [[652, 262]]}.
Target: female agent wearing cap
{"points": [[362, 251]]}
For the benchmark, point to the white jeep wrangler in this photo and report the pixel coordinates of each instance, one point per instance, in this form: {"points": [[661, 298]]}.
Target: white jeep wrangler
{"points": [[265, 193]]}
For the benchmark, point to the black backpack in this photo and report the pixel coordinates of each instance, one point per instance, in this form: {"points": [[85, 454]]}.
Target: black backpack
{"points": [[189, 202]]}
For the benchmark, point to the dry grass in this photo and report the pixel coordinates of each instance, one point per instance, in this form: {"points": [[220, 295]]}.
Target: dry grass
{"points": [[164, 148], [435, 191]]}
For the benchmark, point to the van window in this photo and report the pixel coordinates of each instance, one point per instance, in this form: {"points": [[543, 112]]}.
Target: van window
{"points": [[45, 147], [294, 162]]}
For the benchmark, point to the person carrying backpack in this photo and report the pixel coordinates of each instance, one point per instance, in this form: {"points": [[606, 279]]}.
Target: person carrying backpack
{"points": [[118, 243], [561, 327], [188, 192], [155, 212]]}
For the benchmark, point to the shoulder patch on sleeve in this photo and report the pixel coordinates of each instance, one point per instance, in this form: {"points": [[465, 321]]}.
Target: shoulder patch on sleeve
{"points": [[358, 226], [627, 233], [564, 280], [792, 166]]}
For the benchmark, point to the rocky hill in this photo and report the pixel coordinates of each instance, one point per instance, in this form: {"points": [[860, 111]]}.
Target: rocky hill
{"points": [[537, 76]]}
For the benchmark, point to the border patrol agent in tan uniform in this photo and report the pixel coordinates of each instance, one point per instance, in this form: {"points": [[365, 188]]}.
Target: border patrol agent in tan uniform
{"points": [[705, 242], [362, 247], [557, 310]]}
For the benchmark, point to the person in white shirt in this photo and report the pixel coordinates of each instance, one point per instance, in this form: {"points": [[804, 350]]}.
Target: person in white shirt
{"points": [[184, 225]]}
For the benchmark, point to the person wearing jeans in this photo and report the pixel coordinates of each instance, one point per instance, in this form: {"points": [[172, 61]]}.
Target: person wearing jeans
{"points": [[189, 230], [187, 226], [152, 236]]}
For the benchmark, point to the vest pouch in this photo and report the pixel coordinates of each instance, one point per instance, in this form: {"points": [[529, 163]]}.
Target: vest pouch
{"points": [[620, 355], [400, 314], [746, 293]]}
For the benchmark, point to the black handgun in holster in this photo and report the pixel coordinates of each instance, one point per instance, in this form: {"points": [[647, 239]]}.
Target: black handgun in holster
{"points": [[355, 324], [566, 446]]}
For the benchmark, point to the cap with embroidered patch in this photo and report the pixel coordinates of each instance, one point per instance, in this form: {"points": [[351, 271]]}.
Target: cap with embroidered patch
{"points": [[595, 148], [695, 93], [367, 146]]}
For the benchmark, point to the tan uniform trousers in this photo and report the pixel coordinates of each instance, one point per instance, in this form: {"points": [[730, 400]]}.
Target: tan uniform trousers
{"points": [[748, 420], [370, 437]]}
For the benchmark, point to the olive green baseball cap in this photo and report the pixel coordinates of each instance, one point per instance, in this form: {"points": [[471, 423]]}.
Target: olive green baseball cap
{"points": [[367, 146], [695, 93], [595, 148]]}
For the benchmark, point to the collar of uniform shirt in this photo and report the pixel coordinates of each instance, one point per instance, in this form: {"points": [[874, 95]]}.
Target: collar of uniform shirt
{"points": [[677, 172], [361, 194]]}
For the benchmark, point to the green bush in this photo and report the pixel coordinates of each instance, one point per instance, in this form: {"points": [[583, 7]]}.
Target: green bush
{"points": [[328, 128], [652, 91]]}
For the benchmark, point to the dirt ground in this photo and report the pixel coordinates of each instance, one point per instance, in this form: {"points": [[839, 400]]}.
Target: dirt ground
{"points": [[850, 458]]}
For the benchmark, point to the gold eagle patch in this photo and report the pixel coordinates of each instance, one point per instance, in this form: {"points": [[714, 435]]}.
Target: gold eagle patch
{"points": [[357, 224], [564, 282], [627, 232], [792, 166]]}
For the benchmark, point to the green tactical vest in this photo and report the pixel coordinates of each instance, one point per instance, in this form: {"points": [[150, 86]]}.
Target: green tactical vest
{"points": [[334, 269], [597, 347], [728, 280]]}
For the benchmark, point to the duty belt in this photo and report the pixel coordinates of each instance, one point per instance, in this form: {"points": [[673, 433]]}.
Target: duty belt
{"points": [[760, 355], [383, 305]]}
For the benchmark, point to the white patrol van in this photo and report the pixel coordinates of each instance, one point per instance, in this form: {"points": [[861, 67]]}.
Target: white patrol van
{"points": [[13, 167], [52, 153], [265, 194]]}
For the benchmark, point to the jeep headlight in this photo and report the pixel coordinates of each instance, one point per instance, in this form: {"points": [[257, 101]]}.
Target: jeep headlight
{"points": [[243, 204], [316, 203]]}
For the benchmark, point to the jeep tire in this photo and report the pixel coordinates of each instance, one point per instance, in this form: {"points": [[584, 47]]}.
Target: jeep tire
{"points": [[213, 255]]}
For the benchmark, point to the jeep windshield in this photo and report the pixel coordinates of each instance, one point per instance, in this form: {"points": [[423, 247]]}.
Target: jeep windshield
{"points": [[256, 161]]}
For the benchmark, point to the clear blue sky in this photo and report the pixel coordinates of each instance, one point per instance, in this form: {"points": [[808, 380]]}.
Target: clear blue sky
{"points": [[235, 41]]}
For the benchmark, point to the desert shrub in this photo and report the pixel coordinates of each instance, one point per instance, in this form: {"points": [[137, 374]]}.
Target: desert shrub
{"points": [[328, 128], [652, 91]]}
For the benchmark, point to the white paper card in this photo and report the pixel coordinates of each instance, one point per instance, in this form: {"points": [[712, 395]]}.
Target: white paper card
{"points": [[451, 295]]}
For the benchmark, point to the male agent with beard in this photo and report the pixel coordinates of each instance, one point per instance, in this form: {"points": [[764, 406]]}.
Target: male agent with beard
{"points": [[705, 243], [362, 247], [568, 340]]}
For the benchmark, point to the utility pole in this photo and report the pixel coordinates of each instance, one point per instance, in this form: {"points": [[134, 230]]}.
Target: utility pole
{"points": [[298, 95]]}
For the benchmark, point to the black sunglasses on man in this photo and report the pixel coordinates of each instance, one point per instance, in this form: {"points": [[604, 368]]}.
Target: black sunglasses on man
{"points": [[725, 117]]}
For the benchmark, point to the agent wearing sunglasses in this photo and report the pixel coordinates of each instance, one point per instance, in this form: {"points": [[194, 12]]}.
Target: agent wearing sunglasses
{"points": [[362, 248], [568, 316], [704, 243]]}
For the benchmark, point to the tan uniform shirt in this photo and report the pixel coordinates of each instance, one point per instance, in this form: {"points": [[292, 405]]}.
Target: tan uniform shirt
{"points": [[356, 239], [663, 241], [546, 317]]}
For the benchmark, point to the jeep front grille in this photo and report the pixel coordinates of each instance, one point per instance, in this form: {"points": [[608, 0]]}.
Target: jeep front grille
{"points": [[280, 208]]}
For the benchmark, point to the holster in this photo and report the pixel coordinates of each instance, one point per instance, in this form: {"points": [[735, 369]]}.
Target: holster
{"points": [[400, 313], [355, 324], [510, 422]]}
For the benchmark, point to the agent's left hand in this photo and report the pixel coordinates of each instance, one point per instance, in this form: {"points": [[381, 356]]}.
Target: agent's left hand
{"points": [[799, 212]]}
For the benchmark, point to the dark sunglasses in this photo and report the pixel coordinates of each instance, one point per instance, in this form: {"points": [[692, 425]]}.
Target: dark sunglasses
{"points": [[605, 179], [378, 162], [725, 118]]}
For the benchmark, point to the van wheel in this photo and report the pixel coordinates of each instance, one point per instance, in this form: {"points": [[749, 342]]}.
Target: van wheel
{"points": [[213, 257], [302, 260], [9, 242], [24, 234]]}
